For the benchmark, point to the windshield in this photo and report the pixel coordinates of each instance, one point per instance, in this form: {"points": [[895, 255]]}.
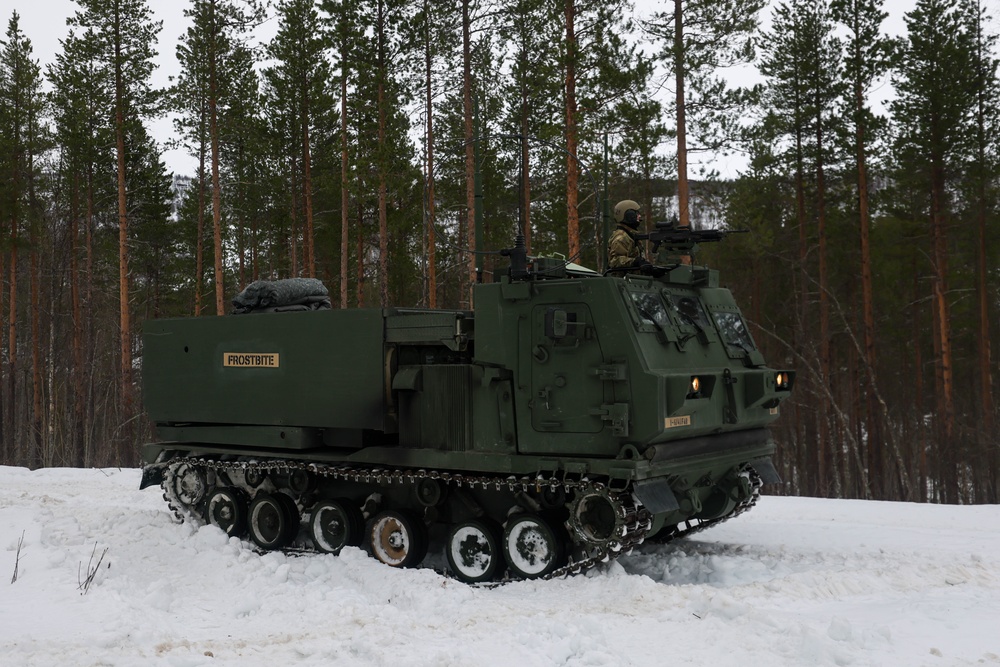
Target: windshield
{"points": [[651, 308], [689, 310]]}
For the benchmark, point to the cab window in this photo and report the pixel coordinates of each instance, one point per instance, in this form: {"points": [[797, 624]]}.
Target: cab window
{"points": [[734, 331], [689, 311], [650, 308]]}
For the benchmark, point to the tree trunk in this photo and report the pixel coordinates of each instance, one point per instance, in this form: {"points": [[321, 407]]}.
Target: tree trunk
{"points": [[88, 333], [125, 329], [344, 237], [572, 168], [824, 445], [360, 287], [431, 232], [682, 179], [293, 232], [76, 375], [307, 193], [874, 439], [36, 349], [12, 429], [213, 131], [918, 389], [525, 171], [942, 335], [199, 241], [986, 407], [383, 223], [470, 160]]}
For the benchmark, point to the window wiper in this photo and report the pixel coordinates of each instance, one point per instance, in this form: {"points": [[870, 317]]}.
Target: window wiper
{"points": [[692, 321], [649, 317]]}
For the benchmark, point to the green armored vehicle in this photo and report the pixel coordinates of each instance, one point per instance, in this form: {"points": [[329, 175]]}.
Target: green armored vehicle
{"points": [[564, 420]]}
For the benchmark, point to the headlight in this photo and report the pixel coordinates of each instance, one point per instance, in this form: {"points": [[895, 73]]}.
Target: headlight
{"points": [[781, 380], [695, 385]]}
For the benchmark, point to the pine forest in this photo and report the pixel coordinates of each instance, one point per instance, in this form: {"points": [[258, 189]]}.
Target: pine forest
{"points": [[347, 147]]}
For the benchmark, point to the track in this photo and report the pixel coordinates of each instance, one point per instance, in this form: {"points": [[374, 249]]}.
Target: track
{"points": [[631, 526]]}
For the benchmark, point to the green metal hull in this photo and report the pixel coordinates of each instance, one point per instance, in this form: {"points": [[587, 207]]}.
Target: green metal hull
{"points": [[647, 386]]}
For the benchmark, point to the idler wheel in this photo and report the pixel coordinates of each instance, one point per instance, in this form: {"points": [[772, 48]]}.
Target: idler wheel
{"points": [[227, 509], [336, 524], [190, 484], [596, 518], [532, 545], [475, 551], [274, 520], [398, 539]]}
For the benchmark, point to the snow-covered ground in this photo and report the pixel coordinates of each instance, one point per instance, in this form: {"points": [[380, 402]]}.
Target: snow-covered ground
{"points": [[794, 582]]}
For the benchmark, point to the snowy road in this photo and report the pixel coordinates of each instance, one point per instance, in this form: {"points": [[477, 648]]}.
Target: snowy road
{"points": [[795, 582]]}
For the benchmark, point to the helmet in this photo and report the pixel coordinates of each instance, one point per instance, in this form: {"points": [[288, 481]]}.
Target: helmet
{"points": [[627, 212]]}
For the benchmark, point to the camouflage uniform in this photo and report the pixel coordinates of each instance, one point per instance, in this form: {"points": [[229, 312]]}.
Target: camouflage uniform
{"points": [[623, 250]]}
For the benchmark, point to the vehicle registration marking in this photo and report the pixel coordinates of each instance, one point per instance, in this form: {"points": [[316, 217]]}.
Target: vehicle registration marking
{"points": [[674, 422]]}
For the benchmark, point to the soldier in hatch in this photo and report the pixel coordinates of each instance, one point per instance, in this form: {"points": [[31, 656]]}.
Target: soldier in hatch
{"points": [[624, 251]]}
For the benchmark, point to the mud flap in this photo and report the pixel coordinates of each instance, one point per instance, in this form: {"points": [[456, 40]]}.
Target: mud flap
{"points": [[152, 475], [766, 470], [656, 495]]}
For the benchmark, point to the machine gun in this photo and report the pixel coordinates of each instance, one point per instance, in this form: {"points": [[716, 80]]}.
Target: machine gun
{"points": [[682, 240]]}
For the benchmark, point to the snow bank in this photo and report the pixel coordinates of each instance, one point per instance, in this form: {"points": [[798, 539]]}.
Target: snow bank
{"points": [[796, 581]]}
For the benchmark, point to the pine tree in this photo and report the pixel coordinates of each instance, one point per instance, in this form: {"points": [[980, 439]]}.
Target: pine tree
{"points": [[701, 37], [153, 231], [124, 34], [983, 169], [23, 140], [189, 96], [638, 122], [433, 28], [298, 96], [935, 86], [344, 41], [532, 92], [212, 58], [868, 55], [243, 147], [384, 60], [801, 63], [80, 92], [598, 57]]}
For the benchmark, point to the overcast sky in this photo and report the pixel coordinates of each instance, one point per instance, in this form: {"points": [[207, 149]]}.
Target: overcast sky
{"points": [[44, 23]]}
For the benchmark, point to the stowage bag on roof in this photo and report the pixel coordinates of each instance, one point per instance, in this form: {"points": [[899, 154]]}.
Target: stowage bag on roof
{"points": [[271, 296]]}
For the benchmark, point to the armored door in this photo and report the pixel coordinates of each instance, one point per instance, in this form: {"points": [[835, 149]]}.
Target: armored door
{"points": [[566, 390]]}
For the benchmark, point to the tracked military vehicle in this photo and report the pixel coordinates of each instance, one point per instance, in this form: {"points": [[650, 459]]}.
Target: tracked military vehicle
{"points": [[566, 418]]}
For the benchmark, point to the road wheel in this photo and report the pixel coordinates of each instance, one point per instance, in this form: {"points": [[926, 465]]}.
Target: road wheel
{"points": [[273, 521], [336, 524], [227, 509], [475, 551], [533, 546], [397, 539]]}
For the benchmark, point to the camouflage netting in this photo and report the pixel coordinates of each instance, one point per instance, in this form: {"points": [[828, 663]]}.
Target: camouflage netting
{"points": [[277, 296]]}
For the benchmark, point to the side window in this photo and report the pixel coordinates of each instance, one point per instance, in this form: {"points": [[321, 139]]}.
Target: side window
{"points": [[734, 331]]}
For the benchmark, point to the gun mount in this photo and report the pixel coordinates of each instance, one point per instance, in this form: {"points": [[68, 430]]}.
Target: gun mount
{"points": [[677, 240]]}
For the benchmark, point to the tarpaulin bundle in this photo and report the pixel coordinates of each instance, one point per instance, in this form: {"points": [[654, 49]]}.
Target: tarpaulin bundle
{"points": [[277, 296]]}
